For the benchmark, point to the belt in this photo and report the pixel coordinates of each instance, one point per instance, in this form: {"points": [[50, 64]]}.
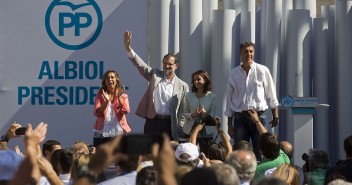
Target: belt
{"points": [[158, 116], [245, 113]]}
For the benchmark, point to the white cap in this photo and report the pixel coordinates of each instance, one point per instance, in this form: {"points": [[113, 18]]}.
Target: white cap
{"points": [[187, 148]]}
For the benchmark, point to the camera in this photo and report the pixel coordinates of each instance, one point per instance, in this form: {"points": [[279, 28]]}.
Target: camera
{"points": [[138, 143], [208, 120], [305, 167], [305, 157], [21, 131]]}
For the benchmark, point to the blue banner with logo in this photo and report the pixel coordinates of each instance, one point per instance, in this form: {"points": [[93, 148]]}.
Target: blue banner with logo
{"points": [[52, 58]]}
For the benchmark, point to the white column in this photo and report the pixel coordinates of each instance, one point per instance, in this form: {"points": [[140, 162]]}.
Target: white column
{"points": [[321, 77], [310, 5], [272, 42], [274, 15], [303, 136], [328, 12], [248, 20], [231, 4], [174, 44], [263, 24], [159, 31], [236, 29], [221, 55], [298, 38], [298, 53], [344, 55], [208, 7], [286, 6], [190, 38]]}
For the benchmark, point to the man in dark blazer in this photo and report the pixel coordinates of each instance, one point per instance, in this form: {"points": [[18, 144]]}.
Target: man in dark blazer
{"points": [[161, 103]]}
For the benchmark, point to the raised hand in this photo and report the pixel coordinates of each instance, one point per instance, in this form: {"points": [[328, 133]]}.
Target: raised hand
{"points": [[254, 115], [106, 95], [201, 110], [164, 161], [11, 131], [127, 40], [36, 136]]}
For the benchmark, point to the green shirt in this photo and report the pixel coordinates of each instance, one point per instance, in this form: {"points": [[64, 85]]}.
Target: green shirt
{"points": [[269, 164], [317, 176]]}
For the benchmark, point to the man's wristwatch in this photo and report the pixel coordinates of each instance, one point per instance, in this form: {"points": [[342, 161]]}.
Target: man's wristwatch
{"points": [[4, 139]]}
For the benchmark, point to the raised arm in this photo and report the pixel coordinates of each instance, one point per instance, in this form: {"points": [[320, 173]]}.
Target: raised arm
{"points": [[224, 139], [255, 118], [127, 41], [193, 138], [9, 135], [144, 69], [29, 170], [164, 162], [105, 155]]}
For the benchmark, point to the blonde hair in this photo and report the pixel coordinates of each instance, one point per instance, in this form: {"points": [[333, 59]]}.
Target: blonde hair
{"points": [[288, 173], [78, 163]]}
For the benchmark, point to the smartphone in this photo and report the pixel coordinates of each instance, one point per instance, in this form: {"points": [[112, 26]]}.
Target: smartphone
{"points": [[21, 131], [139, 143]]}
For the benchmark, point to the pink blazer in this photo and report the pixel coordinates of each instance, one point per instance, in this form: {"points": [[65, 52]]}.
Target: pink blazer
{"points": [[120, 111]]}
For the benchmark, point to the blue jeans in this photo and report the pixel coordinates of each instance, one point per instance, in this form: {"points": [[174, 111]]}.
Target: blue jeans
{"points": [[246, 129]]}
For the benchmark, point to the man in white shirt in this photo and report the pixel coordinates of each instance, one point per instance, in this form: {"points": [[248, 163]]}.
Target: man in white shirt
{"points": [[250, 87], [161, 103]]}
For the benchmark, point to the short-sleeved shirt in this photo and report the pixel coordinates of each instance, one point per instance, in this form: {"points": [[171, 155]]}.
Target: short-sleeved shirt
{"points": [[269, 164]]}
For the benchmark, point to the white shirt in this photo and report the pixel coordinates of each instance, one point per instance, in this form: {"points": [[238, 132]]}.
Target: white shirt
{"points": [[65, 178], [127, 179], [111, 123], [253, 91], [162, 96]]}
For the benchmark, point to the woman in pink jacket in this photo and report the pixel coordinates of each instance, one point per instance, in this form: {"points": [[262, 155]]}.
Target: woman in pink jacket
{"points": [[110, 107]]}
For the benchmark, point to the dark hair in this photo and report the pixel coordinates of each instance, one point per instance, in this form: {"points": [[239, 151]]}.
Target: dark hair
{"points": [[47, 146], [147, 176], [216, 152], [199, 176], [269, 145], [246, 44], [317, 159], [66, 161], [129, 164], [204, 74], [118, 84], [55, 158], [169, 55], [347, 145]]}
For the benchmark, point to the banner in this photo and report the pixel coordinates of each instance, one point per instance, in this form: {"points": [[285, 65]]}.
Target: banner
{"points": [[52, 58]]}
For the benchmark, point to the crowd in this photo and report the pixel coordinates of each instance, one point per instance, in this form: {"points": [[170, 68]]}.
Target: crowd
{"points": [[168, 162], [180, 127]]}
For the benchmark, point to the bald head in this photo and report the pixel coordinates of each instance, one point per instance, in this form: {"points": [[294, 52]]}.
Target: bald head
{"points": [[244, 162], [287, 148]]}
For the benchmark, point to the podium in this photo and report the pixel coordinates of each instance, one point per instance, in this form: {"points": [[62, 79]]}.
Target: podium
{"points": [[300, 111]]}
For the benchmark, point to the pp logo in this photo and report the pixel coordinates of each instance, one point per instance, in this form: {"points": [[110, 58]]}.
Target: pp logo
{"points": [[75, 25], [287, 101]]}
